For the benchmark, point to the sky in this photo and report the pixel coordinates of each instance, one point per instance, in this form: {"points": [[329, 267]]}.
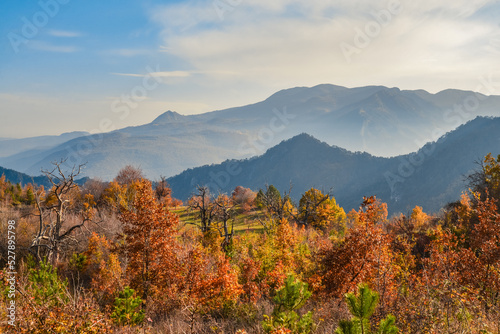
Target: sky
{"points": [[74, 65]]}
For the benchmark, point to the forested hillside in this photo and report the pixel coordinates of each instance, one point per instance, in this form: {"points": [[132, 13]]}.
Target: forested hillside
{"points": [[21, 178], [126, 257], [430, 177]]}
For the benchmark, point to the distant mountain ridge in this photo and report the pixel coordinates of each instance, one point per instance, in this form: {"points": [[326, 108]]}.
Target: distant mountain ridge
{"points": [[376, 119], [430, 177], [9, 146], [16, 177], [168, 117]]}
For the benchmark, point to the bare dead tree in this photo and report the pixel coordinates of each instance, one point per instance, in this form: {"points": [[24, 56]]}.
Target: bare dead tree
{"points": [[224, 213], [51, 212], [203, 204]]}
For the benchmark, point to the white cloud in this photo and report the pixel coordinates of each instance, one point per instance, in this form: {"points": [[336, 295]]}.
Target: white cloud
{"points": [[289, 42], [128, 52], [64, 33], [163, 74], [258, 47]]}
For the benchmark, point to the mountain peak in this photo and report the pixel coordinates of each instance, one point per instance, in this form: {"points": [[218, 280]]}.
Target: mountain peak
{"points": [[168, 117], [304, 143], [305, 93], [304, 138]]}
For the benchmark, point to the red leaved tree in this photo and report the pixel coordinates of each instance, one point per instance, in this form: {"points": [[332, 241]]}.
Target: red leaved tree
{"points": [[150, 228], [363, 256]]}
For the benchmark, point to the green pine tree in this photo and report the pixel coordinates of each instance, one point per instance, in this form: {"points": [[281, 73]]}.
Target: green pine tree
{"points": [[291, 297], [46, 287], [127, 308], [30, 197], [362, 307]]}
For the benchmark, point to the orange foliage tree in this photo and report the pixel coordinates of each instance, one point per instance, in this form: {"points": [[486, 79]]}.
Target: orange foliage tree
{"points": [[320, 210], [480, 264], [363, 256], [487, 179], [463, 268], [150, 244], [104, 268], [283, 250], [208, 282]]}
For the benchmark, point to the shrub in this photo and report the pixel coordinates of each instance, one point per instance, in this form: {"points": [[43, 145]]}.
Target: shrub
{"points": [[291, 297], [126, 308], [362, 307]]}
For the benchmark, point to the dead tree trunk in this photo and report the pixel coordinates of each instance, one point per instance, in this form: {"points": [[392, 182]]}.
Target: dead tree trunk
{"points": [[50, 234]]}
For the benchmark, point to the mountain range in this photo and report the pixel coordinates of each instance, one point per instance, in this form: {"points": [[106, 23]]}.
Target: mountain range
{"points": [[430, 177], [16, 177], [10, 146], [378, 120]]}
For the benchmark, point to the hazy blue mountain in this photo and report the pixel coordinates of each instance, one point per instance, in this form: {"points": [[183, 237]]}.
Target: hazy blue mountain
{"points": [[156, 153], [17, 177], [430, 177], [10, 146], [375, 119]]}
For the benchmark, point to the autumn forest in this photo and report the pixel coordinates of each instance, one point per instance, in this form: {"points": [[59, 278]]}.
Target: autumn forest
{"points": [[127, 257]]}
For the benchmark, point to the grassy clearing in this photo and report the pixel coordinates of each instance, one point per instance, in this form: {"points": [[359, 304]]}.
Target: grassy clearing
{"points": [[241, 221]]}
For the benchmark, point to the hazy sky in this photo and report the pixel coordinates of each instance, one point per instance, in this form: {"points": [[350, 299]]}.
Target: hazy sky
{"points": [[70, 65]]}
